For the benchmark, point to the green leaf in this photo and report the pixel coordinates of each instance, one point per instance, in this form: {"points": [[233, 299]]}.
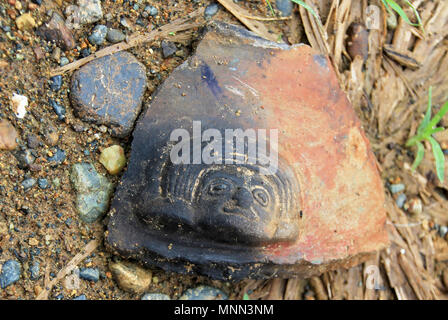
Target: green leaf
{"points": [[307, 7], [435, 130], [401, 12], [440, 158], [420, 155], [246, 297], [427, 117], [439, 116]]}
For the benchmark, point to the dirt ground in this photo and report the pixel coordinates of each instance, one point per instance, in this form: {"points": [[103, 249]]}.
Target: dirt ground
{"points": [[388, 95]]}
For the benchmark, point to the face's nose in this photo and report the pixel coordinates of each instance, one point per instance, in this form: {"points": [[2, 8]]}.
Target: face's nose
{"points": [[243, 198]]}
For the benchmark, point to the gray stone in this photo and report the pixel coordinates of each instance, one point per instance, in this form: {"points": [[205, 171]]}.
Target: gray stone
{"points": [[401, 199], [395, 188], [155, 296], [93, 192], [285, 7], [64, 61], [11, 271], [81, 297], [28, 183], [89, 274], [168, 48], [34, 270], [98, 35], [204, 293], [42, 183], [109, 91], [152, 11], [115, 35], [211, 10], [89, 11]]}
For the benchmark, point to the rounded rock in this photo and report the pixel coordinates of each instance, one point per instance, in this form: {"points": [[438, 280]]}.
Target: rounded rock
{"points": [[130, 277], [155, 296], [285, 7], [8, 136], [113, 159], [98, 35], [204, 293], [211, 10], [89, 274], [11, 271], [115, 35]]}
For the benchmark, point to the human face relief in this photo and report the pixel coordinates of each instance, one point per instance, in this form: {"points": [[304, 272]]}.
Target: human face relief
{"points": [[239, 204]]}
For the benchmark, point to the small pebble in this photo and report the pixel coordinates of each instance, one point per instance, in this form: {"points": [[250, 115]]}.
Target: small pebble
{"points": [[168, 48], [58, 109], [19, 104], [25, 22], [98, 35], [155, 296], [28, 183], [285, 7], [395, 188], [42, 183], [8, 135], [204, 293], [211, 10], [58, 157], [152, 11], [113, 159], [34, 270], [56, 83], [443, 230], [64, 61], [90, 274], [115, 35], [131, 277], [401, 199], [11, 271], [93, 192], [85, 52]]}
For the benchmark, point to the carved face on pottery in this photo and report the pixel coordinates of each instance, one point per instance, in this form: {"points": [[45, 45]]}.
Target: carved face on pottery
{"points": [[228, 203]]}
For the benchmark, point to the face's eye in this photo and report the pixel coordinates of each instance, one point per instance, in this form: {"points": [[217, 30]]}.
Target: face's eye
{"points": [[261, 196], [219, 187]]}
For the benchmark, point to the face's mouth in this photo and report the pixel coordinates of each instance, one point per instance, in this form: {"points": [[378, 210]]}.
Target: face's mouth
{"points": [[233, 209]]}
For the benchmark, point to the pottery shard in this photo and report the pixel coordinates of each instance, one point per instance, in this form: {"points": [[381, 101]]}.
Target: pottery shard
{"points": [[56, 31], [109, 91], [321, 207], [8, 136]]}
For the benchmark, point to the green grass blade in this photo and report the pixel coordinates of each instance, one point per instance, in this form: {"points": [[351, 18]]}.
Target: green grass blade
{"points": [[420, 155], [307, 7], [396, 7], [435, 130], [427, 117], [439, 157], [438, 116], [420, 23], [270, 7]]}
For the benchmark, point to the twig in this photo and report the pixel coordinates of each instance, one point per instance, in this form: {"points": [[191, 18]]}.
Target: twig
{"points": [[265, 19], [134, 40], [89, 248]]}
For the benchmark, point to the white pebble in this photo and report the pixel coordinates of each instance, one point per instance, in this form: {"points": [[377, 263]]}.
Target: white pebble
{"points": [[19, 105]]}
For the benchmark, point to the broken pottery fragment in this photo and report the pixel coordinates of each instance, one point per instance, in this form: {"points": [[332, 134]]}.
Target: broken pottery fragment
{"points": [[319, 207]]}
